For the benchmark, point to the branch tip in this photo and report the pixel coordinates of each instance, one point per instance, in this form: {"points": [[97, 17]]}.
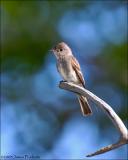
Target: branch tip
{"points": [[107, 109]]}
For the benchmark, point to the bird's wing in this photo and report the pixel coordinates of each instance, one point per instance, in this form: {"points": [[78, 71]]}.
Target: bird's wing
{"points": [[76, 67]]}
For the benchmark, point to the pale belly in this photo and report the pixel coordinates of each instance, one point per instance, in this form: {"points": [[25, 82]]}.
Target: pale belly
{"points": [[68, 74]]}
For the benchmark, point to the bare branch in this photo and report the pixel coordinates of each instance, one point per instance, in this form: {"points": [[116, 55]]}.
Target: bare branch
{"points": [[107, 109]]}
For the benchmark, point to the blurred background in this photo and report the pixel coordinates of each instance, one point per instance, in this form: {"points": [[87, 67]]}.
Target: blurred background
{"points": [[38, 118]]}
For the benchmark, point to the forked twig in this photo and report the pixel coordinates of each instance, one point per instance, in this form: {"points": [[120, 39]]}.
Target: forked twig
{"points": [[107, 109]]}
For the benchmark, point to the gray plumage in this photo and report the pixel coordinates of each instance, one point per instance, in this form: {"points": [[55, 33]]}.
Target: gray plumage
{"points": [[70, 71]]}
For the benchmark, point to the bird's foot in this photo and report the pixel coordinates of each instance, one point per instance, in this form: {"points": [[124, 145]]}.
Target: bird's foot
{"points": [[62, 81]]}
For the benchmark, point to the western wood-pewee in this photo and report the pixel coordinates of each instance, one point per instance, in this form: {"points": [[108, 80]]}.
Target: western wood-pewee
{"points": [[70, 71]]}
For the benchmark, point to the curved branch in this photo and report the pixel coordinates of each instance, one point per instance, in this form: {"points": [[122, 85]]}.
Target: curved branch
{"points": [[107, 109]]}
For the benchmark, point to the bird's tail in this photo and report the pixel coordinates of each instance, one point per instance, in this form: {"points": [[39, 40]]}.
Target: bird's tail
{"points": [[85, 108]]}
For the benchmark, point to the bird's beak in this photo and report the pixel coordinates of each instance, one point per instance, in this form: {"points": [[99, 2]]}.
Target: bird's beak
{"points": [[52, 50]]}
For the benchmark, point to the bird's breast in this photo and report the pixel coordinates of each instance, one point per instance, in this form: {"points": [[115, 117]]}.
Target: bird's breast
{"points": [[67, 72]]}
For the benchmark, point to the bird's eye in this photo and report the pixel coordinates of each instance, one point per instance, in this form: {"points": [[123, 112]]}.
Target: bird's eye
{"points": [[61, 49]]}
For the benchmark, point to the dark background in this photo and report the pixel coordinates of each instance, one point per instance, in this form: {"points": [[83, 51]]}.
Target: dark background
{"points": [[37, 118]]}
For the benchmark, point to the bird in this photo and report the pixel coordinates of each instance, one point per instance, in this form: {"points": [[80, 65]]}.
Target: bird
{"points": [[70, 70]]}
